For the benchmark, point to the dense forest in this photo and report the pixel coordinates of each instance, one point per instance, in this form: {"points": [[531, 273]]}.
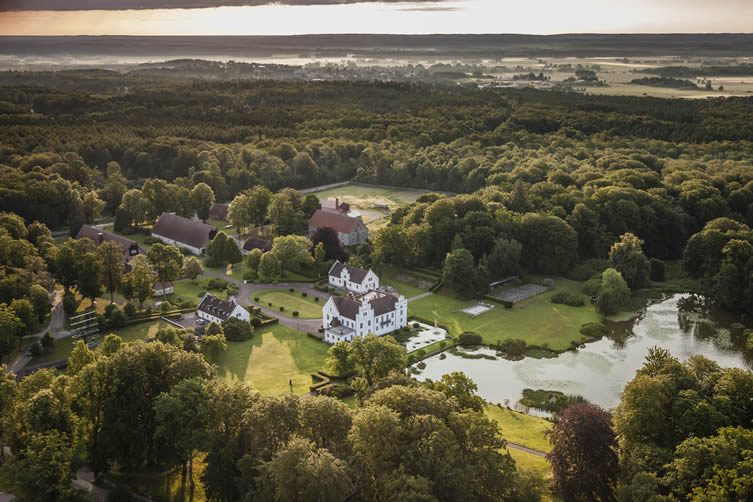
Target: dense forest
{"points": [[555, 183]]}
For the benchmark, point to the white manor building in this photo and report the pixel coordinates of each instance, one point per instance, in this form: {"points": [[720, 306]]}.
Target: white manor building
{"points": [[377, 312], [354, 279], [213, 309]]}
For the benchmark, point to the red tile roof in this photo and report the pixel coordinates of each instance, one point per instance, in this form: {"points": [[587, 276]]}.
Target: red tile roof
{"points": [[341, 223]]}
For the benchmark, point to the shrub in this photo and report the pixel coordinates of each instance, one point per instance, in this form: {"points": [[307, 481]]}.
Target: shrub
{"points": [[232, 289], [269, 304], [256, 299], [442, 356], [130, 309], [421, 365], [304, 294], [594, 330], [295, 313], [120, 494], [47, 341], [656, 270], [547, 282], [514, 347], [236, 330], [249, 276], [292, 290], [592, 287], [218, 284], [338, 390], [316, 299], [420, 352], [70, 303], [282, 309], [587, 269], [469, 338], [443, 343], [565, 298], [166, 307], [152, 240], [255, 322]]}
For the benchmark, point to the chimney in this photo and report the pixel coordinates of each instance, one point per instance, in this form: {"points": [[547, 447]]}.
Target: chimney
{"points": [[100, 237], [337, 202]]}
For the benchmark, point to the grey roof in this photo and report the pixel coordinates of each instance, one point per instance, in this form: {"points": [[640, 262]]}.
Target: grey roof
{"points": [[357, 275], [347, 306], [257, 243], [216, 307], [219, 210], [383, 304], [130, 248], [190, 232]]}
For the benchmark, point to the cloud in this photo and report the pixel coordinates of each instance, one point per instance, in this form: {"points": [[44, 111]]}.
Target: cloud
{"points": [[78, 5]]}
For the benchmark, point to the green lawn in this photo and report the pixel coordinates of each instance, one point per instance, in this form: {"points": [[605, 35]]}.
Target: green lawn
{"points": [[537, 320], [401, 280], [522, 429], [362, 196], [307, 307], [271, 358], [529, 462]]}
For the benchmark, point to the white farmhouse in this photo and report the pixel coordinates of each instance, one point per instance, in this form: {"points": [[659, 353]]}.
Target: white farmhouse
{"points": [[377, 312], [213, 309], [354, 279], [162, 288]]}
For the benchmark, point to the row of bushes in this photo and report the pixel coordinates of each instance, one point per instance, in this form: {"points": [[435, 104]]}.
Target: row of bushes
{"points": [[566, 298]]}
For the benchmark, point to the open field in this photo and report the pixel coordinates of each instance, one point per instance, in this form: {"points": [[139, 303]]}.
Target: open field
{"points": [[307, 307], [273, 357], [522, 429], [403, 281], [538, 321], [373, 202], [529, 462]]}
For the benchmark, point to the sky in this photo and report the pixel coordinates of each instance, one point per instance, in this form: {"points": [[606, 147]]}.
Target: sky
{"points": [[288, 17]]}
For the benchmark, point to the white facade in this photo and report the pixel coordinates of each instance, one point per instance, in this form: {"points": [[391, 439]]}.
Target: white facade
{"points": [[212, 309], [379, 313], [161, 290], [192, 249], [352, 279]]}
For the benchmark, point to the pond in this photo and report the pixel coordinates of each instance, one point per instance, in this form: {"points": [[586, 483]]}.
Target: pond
{"points": [[684, 324]]}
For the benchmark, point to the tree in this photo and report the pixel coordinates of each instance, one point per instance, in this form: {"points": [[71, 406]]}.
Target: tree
{"points": [[239, 212], [139, 282], [375, 357], [192, 268], [302, 472], [310, 205], [202, 197], [91, 269], [519, 198], [269, 268], [213, 345], [237, 330], [11, 329], [504, 258], [231, 253], [614, 292], [24, 311], [550, 245], [626, 256], [284, 215], [259, 199], [44, 468], [181, 416], [110, 344], [333, 249], [338, 360], [583, 457], [391, 246], [40, 299], [253, 259], [92, 207], [459, 272], [166, 262], [111, 256], [216, 250], [170, 336], [80, 356], [293, 253], [462, 388], [136, 205]]}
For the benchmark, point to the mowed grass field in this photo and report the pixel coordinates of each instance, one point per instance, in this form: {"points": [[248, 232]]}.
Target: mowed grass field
{"points": [[271, 358], [524, 430], [306, 306], [537, 320]]}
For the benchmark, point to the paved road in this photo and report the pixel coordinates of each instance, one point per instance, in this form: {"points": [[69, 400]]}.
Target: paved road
{"points": [[56, 328], [526, 449]]}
